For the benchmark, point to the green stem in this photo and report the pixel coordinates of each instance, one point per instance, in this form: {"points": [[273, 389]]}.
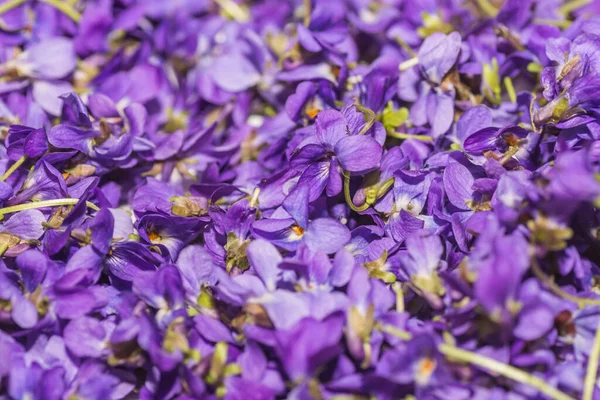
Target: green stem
{"points": [[369, 114], [348, 198], [405, 46], [554, 288], [307, 12], [505, 370], [510, 89], [558, 23], [404, 136], [9, 5], [488, 8], [408, 64], [457, 354], [64, 7], [13, 168], [570, 6], [399, 333], [234, 10], [592, 368], [43, 204], [383, 189]]}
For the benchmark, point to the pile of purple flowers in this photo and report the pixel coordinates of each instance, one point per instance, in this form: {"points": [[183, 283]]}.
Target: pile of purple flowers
{"points": [[304, 199]]}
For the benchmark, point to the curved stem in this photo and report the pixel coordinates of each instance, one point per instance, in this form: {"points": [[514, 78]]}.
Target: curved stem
{"points": [[387, 185], [554, 288], [64, 7], [9, 5], [457, 354], [348, 198], [370, 114], [592, 368], [505, 370], [404, 136], [43, 204], [13, 168], [573, 5], [307, 12]]}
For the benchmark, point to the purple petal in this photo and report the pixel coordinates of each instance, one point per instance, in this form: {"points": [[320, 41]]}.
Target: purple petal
{"points": [[234, 72], [326, 234], [264, 258], [438, 54], [358, 153], [458, 183]]}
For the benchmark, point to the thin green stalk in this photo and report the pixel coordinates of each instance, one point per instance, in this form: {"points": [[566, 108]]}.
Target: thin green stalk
{"points": [[510, 89], [505, 370], [405, 46], [564, 24], [399, 333], [3, 248], [457, 354], [404, 136], [9, 5], [234, 10], [43, 204], [13, 168], [369, 114], [554, 288], [488, 8], [408, 64], [570, 6], [348, 197], [307, 12], [592, 368], [387, 185], [64, 7]]}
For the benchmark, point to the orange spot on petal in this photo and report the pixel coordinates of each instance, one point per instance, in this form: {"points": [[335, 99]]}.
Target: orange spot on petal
{"points": [[312, 112], [154, 237]]}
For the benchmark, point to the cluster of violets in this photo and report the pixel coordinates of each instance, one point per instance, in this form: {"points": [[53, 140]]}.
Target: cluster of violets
{"points": [[304, 199]]}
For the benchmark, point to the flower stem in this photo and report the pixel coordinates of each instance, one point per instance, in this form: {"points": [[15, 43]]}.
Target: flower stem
{"points": [[403, 136], [457, 354], [510, 89], [307, 12], [13, 168], [554, 288], [348, 198], [369, 114], [488, 8], [399, 333], [234, 10], [573, 5], [9, 5], [43, 204], [387, 185], [558, 23], [592, 368], [64, 7], [505, 370], [408, 64]]}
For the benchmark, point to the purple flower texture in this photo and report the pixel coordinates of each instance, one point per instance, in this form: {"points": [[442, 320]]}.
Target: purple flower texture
{"points": [[300, 199]]}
